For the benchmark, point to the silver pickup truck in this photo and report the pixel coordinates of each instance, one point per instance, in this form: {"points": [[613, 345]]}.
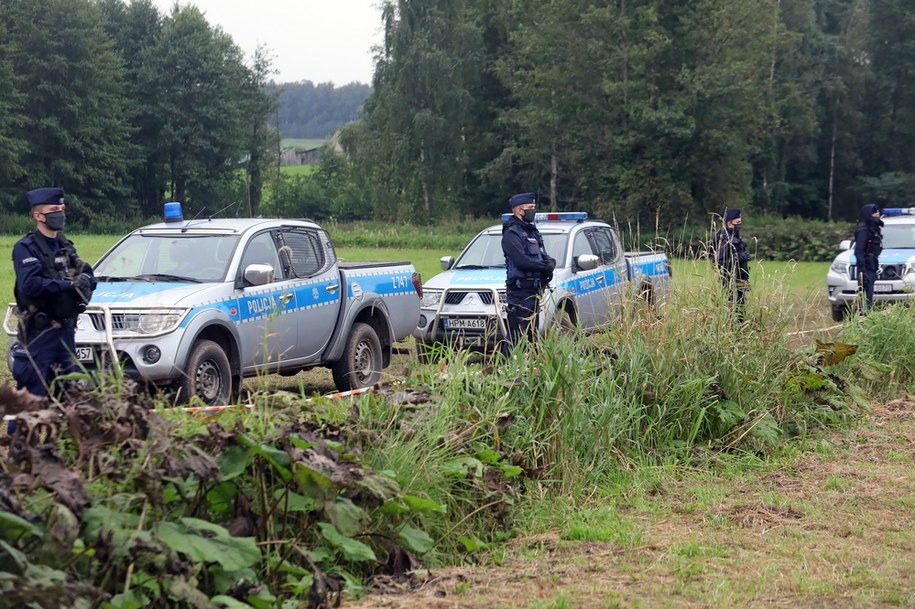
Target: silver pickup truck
{"points": [[201, 304], [465, 305]]}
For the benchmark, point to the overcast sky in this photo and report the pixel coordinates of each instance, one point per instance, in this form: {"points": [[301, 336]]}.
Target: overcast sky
{"points": [[316, 40]]}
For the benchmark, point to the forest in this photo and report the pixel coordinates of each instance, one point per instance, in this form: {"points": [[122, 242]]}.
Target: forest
{"points": [[316, 111], [659, 111]]}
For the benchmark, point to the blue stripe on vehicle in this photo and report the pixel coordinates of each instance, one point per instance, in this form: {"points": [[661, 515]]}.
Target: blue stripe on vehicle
{"points": [[383, 283], [478, 276], [108, 292], [894, 256]]}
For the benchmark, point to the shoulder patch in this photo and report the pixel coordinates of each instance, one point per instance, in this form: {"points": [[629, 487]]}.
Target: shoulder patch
{"points": [[29, 260]]}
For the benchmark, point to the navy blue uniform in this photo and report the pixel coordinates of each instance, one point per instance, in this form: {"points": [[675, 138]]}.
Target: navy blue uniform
{"points": [[48, 303], [868, 247], [733, 263], [528, 271]]}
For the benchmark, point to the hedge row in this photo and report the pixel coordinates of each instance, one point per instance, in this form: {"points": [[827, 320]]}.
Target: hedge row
{"points": [[767, 237]]}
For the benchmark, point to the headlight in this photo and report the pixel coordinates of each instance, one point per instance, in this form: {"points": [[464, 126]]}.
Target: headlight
{"points": [[839, 267], [431, 298], [148, 322]]}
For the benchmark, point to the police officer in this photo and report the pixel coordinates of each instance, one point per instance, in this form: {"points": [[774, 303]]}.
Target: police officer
{"points": [[732, 260], [528, 269], [52, 287], [868, 247]]}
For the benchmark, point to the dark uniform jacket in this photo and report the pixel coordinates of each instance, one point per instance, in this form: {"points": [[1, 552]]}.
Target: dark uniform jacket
{"points": [[526, 260], [868, 239], [730, 254], [44, 277]]}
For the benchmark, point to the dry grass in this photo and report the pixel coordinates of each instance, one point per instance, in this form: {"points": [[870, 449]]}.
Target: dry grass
{"points": [[833, 527]]}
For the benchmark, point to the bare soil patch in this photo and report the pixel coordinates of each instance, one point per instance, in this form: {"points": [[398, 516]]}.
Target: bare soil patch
{"points": [[833, 527]]}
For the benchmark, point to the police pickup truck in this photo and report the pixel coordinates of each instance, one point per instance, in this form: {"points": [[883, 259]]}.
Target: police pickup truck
{"points": [[465, 305], [896, 272], [200, 304]]}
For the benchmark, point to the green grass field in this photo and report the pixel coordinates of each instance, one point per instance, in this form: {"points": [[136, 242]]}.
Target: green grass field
{"points": [[301, 143], [298, 170]]}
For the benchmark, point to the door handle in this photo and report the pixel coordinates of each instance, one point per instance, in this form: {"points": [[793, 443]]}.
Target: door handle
{"points": [[285, 297], [599, 278], [332, 287]]}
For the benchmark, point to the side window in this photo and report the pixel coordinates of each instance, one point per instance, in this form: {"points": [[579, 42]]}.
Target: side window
{"points": [[303, 253], [606, 247], [581, 245], [262, 250]]}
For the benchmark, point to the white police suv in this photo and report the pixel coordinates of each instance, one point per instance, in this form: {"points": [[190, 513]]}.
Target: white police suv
{"points": [[896, 273], [465, 305]]}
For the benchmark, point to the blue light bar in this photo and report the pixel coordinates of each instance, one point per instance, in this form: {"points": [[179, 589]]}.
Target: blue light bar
{"points": [[555, 215], [172, 212], [899, 211]]}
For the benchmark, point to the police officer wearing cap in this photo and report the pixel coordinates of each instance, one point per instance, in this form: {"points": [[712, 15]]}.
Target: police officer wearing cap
{"points": [[732, 260], [868, 247], [53, 285], [528, 269]]}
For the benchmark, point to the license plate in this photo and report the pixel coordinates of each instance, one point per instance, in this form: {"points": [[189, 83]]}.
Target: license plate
{"points": [[883, 287], [465, 323], [85, 354]]}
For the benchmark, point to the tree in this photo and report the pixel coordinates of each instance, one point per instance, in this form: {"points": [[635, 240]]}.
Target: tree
{"points": [[194, 79], [419, 116], [76, 116], [260, 138], [12, 119]]}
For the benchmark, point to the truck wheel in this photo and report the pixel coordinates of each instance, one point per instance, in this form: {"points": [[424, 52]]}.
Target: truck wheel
{"points": [[838, 313], [360, 364], [207, 376]]}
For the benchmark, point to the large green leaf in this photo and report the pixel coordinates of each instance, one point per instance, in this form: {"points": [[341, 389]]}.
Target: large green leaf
{"points": [[311, 482], [234, 461], [348, 517], [419, 504], [351, 549], [416, 539], [12, 526], [232, 553]]}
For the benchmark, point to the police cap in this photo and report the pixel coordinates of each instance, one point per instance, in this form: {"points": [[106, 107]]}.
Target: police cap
{"points": [[525, 197], [46, 196], [730, 214]]}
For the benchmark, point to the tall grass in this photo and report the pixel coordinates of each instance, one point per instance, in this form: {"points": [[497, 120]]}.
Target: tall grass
{"points": [[653, 388], [884, 363]]}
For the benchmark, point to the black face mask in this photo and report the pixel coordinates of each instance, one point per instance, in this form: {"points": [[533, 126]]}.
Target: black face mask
{"points": [[55, 220], [529, 215]]}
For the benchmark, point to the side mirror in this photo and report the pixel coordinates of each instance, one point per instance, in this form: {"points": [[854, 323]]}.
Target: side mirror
{"points": [[446, 262], [587, 262], [845, 244], [259, 274]]}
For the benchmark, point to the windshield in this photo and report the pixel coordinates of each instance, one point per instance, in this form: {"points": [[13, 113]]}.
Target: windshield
{"points": [[485, 252], [899, 236], [173, 258]]}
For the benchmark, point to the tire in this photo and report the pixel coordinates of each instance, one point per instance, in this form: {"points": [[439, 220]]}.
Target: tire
{"points": [[207, 375], [838, 313], [360, 364]]}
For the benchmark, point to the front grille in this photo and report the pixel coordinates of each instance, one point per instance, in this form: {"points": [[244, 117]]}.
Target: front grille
{"points": [[455, 298], [98, 321], [119, 321], [886, 272]]}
